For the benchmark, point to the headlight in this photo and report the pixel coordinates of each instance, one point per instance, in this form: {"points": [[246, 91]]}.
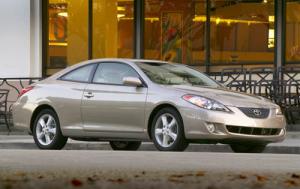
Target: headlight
{"points": [[205, 103], [278, 111]]}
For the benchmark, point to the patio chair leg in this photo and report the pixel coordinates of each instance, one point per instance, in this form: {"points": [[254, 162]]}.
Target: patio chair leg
{"points": [[286, 113], [6, 123], [292, 117]]}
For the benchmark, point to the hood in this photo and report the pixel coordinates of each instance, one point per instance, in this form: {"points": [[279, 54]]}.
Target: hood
{"points": [[226, 96]]}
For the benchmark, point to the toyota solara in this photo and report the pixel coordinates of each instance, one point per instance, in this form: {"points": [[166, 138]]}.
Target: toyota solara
{"points": [[127, 101]]}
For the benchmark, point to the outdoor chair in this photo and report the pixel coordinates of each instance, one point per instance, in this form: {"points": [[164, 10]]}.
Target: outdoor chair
{"points": [[264, 88], [292, 106], [234, 78], [260, 75], [3, 107], [289, 74]]}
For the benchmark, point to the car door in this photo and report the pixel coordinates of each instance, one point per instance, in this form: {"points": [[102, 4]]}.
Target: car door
{"points": [[110, 106], [67, 96]]}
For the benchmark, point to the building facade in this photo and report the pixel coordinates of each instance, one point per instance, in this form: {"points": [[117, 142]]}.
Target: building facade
{"points": [[41, 37]]}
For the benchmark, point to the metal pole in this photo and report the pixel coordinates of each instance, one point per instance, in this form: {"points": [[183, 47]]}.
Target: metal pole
{"points": [[139, 23], [45, 36], [279, 53], [90, 29], [207, 37]]}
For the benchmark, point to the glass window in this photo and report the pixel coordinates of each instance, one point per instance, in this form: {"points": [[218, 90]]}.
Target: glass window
{"points": [[174, 30], [68, 33], [293, 31], [81, 74], [68, 30], [113, 73], [113, 28], [242, 31], [171, 74]]}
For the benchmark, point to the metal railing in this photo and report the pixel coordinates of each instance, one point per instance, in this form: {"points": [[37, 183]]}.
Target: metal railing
{"points": [[284, 89], [10, 88]]}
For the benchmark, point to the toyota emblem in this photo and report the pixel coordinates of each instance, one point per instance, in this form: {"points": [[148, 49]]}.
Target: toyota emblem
{"points": [[256, 112]]}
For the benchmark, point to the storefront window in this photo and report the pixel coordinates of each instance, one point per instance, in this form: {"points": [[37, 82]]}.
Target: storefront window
{"points": [[293, 31], [68, 33], [174, 30], [112, 31], [113, 28], [242, 31]]}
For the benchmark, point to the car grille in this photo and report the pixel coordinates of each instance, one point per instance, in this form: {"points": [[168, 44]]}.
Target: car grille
{"points": [[259, 113], [253, 130]]}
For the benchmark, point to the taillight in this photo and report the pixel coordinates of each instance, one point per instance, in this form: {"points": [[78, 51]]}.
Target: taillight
{"points": [[25, 90]]}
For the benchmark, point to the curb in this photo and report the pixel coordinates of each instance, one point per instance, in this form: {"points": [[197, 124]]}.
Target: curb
{"points": [[277, 149]]}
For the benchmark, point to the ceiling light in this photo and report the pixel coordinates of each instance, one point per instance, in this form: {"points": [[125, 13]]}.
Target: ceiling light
{"points": [[64, 14], [120, 15], [271, 18], [271, 33], [121, 8]]}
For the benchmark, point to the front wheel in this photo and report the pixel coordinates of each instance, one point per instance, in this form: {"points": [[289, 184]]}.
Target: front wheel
{"points": [[46, 131], [248, 148], [125, 145], [167, 131]]}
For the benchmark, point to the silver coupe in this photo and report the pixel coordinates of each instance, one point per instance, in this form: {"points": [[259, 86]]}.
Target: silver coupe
{"points": [[126, 101]]}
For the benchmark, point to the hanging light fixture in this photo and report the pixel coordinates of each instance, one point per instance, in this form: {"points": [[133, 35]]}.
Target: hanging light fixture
{"points": [[64, 14]]}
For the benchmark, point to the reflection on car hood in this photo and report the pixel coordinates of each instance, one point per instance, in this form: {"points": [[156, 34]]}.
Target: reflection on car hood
{"points": [[226, 96]]}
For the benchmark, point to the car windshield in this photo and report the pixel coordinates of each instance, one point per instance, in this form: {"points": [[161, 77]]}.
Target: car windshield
{"points": [[174, 74]]}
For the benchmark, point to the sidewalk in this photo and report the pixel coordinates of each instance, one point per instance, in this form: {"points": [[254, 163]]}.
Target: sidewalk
{"points": [[17, 139], [291, 145]]}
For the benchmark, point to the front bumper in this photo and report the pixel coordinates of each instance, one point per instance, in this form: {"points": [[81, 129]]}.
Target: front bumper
{"points": [[196, 122]]}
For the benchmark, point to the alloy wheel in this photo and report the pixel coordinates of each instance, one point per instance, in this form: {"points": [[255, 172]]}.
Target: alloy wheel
{"points": [[46, 129], [166, 130]]}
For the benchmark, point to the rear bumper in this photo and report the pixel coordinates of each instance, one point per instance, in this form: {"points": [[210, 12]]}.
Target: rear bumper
{"points": [[22, 113], [197, 121]]}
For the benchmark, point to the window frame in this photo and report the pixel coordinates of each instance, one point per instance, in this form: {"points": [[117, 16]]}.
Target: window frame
{"points": [[61, 78], [144, 85]]}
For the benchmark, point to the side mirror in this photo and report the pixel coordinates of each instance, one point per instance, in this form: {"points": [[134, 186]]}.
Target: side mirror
{"points": [[132, 81]]}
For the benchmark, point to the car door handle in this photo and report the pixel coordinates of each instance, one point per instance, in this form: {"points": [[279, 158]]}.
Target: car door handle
{"points": [[88, 95]]}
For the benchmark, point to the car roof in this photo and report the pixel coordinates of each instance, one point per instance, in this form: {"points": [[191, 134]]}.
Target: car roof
{"points": [[125, 60], [146, 61], [66, 70]]}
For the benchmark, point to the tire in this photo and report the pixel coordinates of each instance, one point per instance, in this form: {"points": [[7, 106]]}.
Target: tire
{"points": [[125, 145], [55, 139], [167, 136], [248, 148]]}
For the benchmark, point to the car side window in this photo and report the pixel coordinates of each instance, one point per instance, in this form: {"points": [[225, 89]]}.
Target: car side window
{"points": [[113, 73], [81, 74]]}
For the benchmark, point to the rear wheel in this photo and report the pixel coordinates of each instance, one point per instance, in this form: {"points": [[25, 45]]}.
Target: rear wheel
{"points": [[248, 148], [167, 131], [125, 145], [46, 131]]}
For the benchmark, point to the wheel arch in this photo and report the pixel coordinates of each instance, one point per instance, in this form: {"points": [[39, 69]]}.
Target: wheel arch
{"points": [[37, 111], [154, 112]]}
